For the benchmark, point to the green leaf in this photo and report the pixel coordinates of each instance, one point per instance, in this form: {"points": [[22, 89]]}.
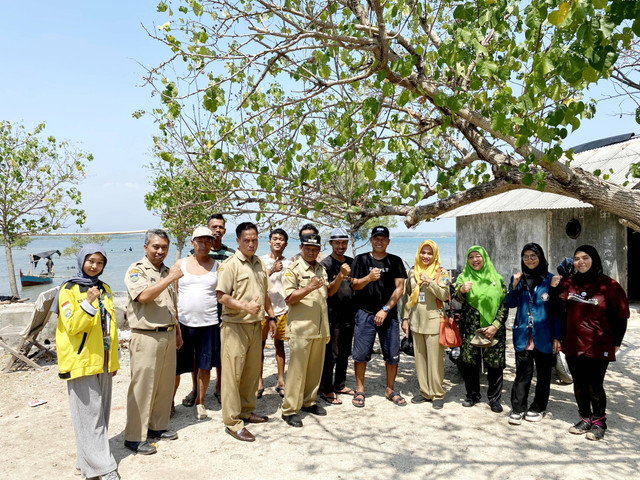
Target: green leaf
{"points": [[370, 109], [558, 17], [527, 179], [404, 98]]}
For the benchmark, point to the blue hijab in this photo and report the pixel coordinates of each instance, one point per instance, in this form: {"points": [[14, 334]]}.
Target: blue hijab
{"points": [[80, 277]]}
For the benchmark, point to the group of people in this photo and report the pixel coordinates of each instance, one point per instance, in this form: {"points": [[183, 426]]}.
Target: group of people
{"points": [[217, 307]]}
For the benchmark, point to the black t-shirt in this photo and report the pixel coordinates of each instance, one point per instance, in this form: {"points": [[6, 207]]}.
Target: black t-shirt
{"points": [[341, 304], [376, 294]]}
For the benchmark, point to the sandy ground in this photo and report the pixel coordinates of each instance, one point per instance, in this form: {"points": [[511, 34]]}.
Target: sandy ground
{"points": [[379, 441]]}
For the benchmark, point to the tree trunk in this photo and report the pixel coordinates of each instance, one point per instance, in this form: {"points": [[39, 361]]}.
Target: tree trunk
{"points": [[10, 268], [179, 247]]}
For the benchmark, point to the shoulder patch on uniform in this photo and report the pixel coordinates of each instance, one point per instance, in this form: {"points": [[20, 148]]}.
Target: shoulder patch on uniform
{"points": [[289, 273], [134, 275], [66, 309]]}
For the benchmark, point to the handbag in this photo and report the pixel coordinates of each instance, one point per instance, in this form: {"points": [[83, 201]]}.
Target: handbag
{"points": [[406, 345], [449, 332]]}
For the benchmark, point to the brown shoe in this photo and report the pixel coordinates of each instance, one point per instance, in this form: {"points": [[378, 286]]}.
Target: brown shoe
{"points": [[255, 418], [243, 435]]}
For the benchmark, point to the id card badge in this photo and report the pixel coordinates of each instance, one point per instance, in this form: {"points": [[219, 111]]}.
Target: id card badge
{"points": [[421, 297]]}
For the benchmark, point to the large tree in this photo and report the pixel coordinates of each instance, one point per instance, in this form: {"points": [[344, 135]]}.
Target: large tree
{"points": [[38, 175], [355, 109]]}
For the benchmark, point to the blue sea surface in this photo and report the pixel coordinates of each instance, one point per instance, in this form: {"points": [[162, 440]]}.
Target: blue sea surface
{"points": [[123, 250]]}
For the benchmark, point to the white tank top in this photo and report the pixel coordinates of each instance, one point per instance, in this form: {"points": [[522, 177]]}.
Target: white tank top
{"points": [[197, 297]]}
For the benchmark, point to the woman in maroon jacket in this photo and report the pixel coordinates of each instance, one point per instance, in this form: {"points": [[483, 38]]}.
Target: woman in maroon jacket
{"points": [[597, 310]]}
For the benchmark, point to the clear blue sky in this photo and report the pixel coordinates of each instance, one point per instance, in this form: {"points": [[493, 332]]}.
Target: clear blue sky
{"points": [[76, 66]]}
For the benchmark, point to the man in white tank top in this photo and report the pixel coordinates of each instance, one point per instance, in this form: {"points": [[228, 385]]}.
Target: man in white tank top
{"points": [[198, 317]]}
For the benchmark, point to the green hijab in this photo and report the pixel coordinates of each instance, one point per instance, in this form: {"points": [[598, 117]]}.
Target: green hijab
{"points": [[486, 294]]}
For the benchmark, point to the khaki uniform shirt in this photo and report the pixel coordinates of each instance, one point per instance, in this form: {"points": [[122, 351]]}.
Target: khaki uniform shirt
{"points": [[424, 316], [244, 280], [309, 318], [159, 313]]}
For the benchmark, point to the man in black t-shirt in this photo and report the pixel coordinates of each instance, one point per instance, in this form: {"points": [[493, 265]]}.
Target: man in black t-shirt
{"points": [[378, 280], [341, 313]]}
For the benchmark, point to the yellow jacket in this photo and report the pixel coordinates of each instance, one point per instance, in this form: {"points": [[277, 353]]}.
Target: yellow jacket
{"points": [[79, 342]]}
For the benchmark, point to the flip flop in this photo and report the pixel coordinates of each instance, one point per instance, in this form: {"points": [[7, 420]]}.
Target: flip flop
{"points": [[331, 400], [280, 391], [358, 399], [397, 399], [346, 391], [189, 400], [260, 392]]}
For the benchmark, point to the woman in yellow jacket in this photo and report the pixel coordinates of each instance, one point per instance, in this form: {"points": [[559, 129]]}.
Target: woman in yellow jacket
{"points": [[427, 282], [87, 347]]}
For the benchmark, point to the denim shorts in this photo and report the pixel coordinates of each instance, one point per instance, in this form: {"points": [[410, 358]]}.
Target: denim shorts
{"points": [[364, 336], [201, 344]]}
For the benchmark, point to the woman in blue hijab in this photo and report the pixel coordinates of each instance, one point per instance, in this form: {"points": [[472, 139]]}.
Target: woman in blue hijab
{"points": [[87, 346]]}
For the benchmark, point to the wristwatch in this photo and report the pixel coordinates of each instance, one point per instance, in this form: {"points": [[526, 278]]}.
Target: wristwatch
{"points": [[273, 319], [385, 309]]}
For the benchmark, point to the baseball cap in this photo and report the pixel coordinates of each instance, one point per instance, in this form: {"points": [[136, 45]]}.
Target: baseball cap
{"points": [[380, 230], [310, 239], [339, 234], [201, 232]]}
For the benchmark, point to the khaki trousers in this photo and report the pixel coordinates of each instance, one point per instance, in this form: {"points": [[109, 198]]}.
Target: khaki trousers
{"points": [[153, 373], [241, 354], [306, 359], [429, 356]]}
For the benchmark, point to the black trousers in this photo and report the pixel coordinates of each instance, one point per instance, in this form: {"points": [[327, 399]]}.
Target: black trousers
{"points": [[336, 356], [525, 362], [471, 374], [588, 385]]}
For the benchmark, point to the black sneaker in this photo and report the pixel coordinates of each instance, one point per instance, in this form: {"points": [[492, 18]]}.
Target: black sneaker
{"points": [[469, 402], [582, 427], [595, 433], [496, 407]]}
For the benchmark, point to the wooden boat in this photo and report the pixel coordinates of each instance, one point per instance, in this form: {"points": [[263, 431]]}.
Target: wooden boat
{"points": [[30, 278]]}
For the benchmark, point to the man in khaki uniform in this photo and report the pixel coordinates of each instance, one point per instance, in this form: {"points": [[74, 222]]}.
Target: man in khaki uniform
{"points": [[242, 290], [155, 335], [305, 288]]}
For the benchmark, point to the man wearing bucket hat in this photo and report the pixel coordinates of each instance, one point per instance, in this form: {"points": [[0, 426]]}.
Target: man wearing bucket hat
{"points": [[378, 280], [341, 312], [305, 288]]}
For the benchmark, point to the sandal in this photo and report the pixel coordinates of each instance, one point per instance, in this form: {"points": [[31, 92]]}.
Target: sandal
{"points": [[358, 399], [331, 400], [260, 392], [280, 391], [189, 400], [346, 391], [398, 399]]}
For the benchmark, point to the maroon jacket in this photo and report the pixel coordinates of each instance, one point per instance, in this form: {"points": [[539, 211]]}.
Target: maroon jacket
{"points": [[596, 320]]}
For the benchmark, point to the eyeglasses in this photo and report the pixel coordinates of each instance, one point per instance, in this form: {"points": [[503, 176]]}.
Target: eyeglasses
{"points": [[529, 257]]}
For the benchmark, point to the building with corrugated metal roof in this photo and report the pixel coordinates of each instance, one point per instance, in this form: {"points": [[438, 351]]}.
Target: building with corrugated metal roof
{"points": [[503, 224]]}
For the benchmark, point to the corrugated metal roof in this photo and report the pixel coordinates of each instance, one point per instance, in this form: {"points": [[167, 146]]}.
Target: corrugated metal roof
{"points": [[617, 157]]}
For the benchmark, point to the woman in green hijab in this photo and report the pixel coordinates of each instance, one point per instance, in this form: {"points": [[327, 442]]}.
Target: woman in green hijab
{"points": [[480, 289]]}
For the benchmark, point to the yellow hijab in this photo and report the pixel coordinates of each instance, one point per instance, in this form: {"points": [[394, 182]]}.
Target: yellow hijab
{"points": [[419, 267]]}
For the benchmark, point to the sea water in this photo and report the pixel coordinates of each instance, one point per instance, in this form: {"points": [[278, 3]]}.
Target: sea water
{"points": [[123, 250]]}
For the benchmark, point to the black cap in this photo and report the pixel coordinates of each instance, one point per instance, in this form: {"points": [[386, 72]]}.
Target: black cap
{"points": [[380, 230], [310, 239]]}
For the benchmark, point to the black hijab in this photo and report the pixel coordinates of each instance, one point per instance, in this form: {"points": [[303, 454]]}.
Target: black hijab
{"points": [[534, 277], [595, 271]]}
